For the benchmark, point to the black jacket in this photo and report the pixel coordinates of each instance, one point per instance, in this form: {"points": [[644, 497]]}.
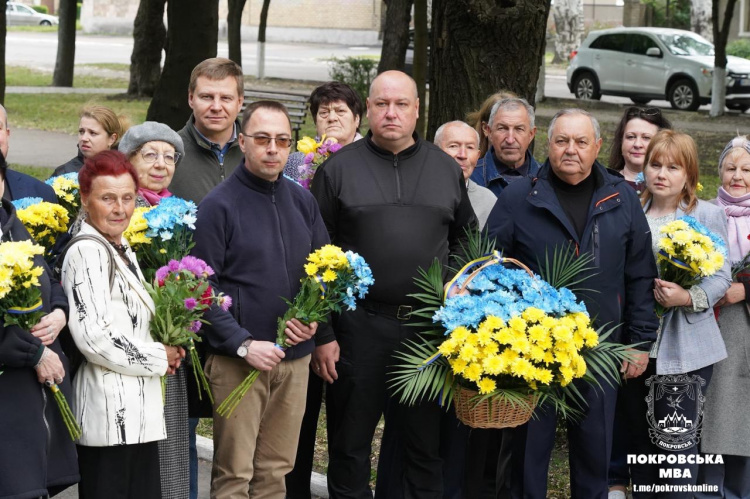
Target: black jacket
{"points": [[72, 166], [36, 451], [256, 235], [398, 211]]}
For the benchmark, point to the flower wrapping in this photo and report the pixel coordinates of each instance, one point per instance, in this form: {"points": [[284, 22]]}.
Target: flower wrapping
{"points": [[45, 221], [66, 189], [334, 278], [181, 294], [316, 151], [688, 252]]}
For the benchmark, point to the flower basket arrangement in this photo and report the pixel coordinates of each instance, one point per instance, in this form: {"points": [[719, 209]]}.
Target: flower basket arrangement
{"points": [[688, 252], [500, 341]]}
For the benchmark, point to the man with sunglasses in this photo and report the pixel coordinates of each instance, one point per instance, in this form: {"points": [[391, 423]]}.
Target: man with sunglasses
{"points": [[256, 230]]}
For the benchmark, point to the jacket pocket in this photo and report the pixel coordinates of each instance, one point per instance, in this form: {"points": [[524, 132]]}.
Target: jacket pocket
{"points": [[695, 317], [237, 306]]}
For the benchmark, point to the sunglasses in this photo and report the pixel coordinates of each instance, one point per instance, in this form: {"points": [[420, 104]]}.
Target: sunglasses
{"points": [[265, 140], [635, 112]]}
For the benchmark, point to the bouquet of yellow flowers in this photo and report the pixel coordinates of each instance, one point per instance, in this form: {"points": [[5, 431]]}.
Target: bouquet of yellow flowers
{"points": [[334, 278], [67, 191], [507, 340], [688, 252], [21, 303], [45, 221], [316, 152]]}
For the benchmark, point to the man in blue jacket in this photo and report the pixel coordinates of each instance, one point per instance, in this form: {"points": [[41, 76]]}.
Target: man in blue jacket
{"points": [[256, 230], [574, 203], [510, 131], [16, 185]]}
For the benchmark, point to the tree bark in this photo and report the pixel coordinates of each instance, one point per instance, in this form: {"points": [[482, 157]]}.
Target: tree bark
{"points": [[149, 36], [3, 31], [700, 18], [395, 35], [66, 45], [421, 15], [191, 38], [234, 30], [262, 40], [721, 34], [568, 16], [478, 47]]}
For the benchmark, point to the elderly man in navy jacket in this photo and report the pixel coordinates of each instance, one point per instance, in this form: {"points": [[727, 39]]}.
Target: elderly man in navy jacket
{"points": [[256, 230], [574, 203], [13, 184]]}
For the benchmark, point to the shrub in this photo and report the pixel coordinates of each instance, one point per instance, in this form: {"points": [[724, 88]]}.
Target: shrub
{"points": [[78, 12], [357, 72], [739, 48], [42, 9]]}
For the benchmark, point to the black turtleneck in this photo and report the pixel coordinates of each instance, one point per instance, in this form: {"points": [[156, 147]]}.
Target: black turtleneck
{"points": [[574, 199]]}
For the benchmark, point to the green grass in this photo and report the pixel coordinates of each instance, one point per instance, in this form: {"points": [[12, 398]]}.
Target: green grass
{"points": [[35, 29], [59, 112], [25, 77], [113, 66], [40, 172]]}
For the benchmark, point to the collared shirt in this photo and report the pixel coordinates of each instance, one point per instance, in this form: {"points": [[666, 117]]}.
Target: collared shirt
{"points": [[219, 151], [509, 173]]}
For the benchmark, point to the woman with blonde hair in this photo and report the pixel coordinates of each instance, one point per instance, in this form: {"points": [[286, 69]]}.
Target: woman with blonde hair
{"points": [[99, 129]]}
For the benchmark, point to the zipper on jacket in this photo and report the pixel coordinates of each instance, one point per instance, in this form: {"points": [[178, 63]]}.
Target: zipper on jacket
{"points": [[398, 178], [273, 193], [221, 167], [595, 238]]}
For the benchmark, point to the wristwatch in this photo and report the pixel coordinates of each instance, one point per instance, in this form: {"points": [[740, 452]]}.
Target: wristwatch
{"points": [[242, 350]]}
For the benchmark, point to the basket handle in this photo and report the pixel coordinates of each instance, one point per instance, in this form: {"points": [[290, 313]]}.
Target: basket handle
{"points": [[492, 259]]}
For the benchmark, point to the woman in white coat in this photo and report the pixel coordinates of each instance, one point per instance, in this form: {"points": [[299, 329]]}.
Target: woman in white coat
{"points": [[117, 390]]}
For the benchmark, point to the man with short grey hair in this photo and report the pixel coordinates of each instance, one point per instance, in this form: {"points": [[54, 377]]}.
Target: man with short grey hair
{"points": [[510, 130], [574, 206], [461, 142]]}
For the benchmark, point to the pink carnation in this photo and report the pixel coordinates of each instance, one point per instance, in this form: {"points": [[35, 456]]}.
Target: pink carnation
{"points": [[225, 302]]}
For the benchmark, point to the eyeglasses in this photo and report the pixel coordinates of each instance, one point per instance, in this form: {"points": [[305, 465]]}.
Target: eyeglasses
{"points": [[170, 158], [635, 112], [264, 140]]}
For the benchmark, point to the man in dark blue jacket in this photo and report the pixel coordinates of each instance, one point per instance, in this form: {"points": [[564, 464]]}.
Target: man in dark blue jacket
{"points": [[256, 230], [574, 203], [510, 130]]}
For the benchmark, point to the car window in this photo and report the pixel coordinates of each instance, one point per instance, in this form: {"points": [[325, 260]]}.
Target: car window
{"points": [[610, 42], [22, 9], [639, 44], [686, 44]]}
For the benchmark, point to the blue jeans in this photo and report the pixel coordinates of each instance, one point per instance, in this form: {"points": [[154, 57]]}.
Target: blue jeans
{"points": [[193, 459]]}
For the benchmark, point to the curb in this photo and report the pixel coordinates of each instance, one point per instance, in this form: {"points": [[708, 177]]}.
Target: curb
{"points": [[318, 483]]}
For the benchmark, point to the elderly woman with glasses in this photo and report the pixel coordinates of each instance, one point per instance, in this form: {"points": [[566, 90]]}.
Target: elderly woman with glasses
{"points": [[154, 150]]}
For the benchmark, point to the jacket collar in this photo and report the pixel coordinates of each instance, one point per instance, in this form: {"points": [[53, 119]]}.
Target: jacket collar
{"points": [[406, 153], [7, 227], [203, 141], [135, 283], [489, 170], [256, 183]]}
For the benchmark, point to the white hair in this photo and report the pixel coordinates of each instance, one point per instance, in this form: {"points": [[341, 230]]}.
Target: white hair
{"points": [[570, 112], [512, 103], [438, 140]]}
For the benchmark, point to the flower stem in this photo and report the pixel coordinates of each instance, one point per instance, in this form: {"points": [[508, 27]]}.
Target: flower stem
{"points": [[200, 376], [67, 415], [226, 408]]}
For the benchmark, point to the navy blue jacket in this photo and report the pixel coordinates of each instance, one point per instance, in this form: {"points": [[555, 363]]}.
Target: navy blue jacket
{"points": [[256, 235], [21, 185], [528, 221], [486, 174]]}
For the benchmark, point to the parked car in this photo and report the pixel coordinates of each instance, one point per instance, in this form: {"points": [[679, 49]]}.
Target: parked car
{"points": [[654, 63], [18, 14]]}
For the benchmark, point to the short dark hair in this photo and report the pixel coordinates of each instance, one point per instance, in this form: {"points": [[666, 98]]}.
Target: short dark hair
{"points": [[106, 163], [334, 91], [651, 115], [264, 104]]}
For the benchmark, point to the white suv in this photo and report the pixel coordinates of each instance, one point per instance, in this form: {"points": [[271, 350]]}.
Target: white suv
{"points": [[654, 63]]}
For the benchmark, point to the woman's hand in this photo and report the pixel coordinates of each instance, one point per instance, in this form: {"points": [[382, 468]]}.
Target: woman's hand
{"points": [[49, 327], [669, 294], [296, 332], [735, 294], [174, 358], [50, 369]]}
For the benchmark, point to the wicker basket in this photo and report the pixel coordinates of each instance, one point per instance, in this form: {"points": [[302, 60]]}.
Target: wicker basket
{"points": [[490, 413]]}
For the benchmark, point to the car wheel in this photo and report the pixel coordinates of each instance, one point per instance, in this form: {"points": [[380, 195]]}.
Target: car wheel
{"points": [[683, 95], [586, 87], [45, 23], [640, 101]]}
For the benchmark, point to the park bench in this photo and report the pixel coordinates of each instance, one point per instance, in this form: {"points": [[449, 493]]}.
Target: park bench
{"points": [[296, 101]]}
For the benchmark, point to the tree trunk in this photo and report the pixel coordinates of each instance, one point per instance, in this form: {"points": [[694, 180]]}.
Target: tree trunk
{"points": [[721, 34], [568, 16], [66, 45], [395, 35], [192, 37], [541, 82], [700, 18], [3, 31], [234, 28], [420, 59], [149, 36], [477, 49], [262, 40]]}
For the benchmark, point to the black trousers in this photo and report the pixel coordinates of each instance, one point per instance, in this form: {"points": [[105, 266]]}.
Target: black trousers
{"points": [[359, 398], [119, 472], [488, 461]]}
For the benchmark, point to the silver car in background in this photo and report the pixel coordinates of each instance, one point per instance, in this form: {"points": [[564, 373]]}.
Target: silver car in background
{"points": [[18, 14]]}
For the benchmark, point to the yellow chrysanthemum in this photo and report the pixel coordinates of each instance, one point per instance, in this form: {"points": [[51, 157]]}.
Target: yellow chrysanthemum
{"points": [[468, 352], [473, 372], [493, 364], [448, 347], [486, 385], [493, 322], [533, 314], [460, 334], [458, 366], [311, 269], [329, 276], [517, 324], [544, 376]]}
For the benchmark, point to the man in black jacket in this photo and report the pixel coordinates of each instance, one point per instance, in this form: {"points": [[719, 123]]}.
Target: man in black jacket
{"points": [[400, 202]]}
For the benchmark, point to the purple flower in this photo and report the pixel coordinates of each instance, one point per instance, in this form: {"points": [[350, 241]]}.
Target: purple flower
{"points": [[195, 326], [309, 157], [194, 265], [190, 303], [162, 274], [173, 265], [225, 302], [334, 147]]}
